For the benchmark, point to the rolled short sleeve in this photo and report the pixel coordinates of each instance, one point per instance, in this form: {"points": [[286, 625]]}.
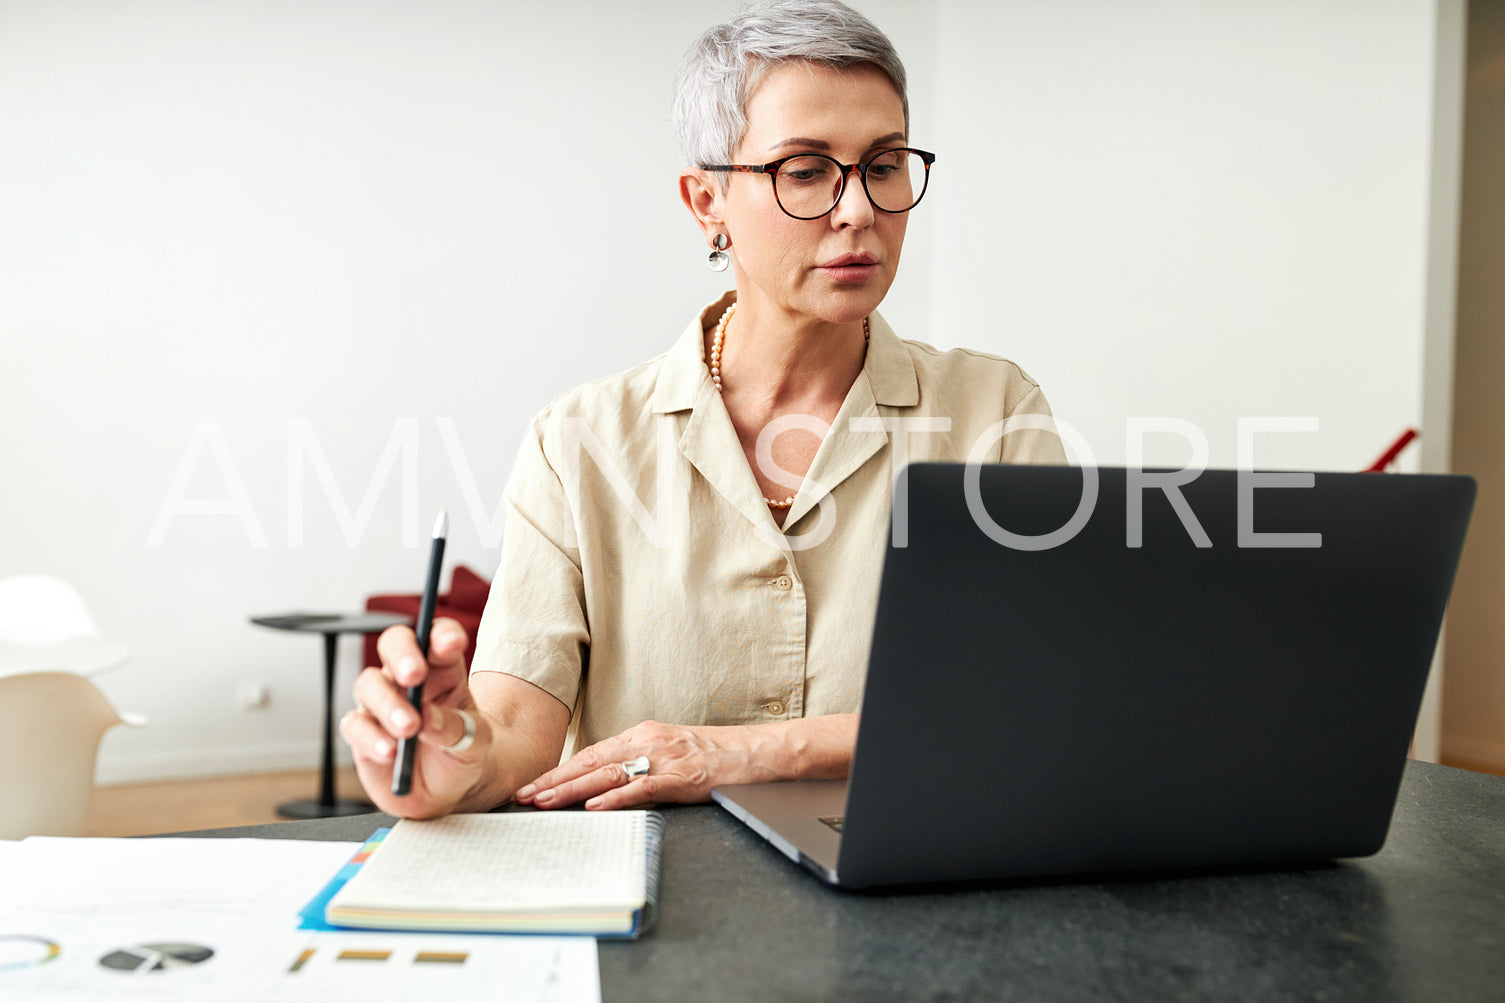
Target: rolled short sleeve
{"points": [[535, 626]]}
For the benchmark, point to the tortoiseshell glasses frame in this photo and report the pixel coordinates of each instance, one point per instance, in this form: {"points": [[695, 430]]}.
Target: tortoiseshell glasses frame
{"points": [[813, 166]]}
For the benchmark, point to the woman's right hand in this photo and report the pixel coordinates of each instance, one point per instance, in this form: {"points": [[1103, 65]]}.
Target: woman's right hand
{"points": [[383, 714]]}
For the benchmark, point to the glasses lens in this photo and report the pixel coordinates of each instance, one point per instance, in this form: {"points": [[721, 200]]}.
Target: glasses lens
{"points": [[808, 186], [896, 179]]}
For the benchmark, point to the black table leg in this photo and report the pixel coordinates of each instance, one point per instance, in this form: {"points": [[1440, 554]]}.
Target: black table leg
{"points": [[328, 805], [326, 781]]}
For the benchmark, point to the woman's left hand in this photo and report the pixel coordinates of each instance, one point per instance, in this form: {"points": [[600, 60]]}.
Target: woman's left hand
{"points": [[684, 763]]}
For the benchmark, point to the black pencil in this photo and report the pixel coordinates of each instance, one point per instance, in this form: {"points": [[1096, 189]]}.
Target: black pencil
{"points": [[407, 748]]}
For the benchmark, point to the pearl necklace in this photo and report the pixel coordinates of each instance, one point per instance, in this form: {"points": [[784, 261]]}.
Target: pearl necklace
{"points": [[720, 339]]}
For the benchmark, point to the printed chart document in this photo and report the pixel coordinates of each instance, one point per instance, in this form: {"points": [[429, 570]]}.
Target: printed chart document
{"points": [[217, 919], [593, 873]]}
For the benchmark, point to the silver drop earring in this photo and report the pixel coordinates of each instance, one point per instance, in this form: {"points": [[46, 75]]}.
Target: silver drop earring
{"points": [[719, 259]]}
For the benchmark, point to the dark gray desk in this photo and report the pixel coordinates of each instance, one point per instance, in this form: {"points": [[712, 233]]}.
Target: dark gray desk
{"points": [[1422, 920]]}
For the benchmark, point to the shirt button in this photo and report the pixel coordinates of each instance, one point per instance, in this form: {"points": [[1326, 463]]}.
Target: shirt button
{"points": [[774, 707], [783, 583]]}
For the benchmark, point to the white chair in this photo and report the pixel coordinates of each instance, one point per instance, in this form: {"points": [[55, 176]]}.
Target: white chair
{"points": [[41, 609], [50, 727], [45, 625]]}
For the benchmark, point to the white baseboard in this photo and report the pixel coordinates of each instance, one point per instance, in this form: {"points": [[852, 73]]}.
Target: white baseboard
{"points": [[195, 763], [1477, 751]]}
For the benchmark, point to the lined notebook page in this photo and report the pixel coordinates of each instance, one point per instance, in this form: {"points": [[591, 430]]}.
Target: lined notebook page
{"points": [[507, 861]]}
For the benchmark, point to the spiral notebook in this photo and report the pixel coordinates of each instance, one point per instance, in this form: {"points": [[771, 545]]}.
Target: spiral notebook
{"points": [[570, 872]]}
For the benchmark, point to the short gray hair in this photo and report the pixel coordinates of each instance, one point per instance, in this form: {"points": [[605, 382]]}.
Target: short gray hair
{"points": [[725, 65]]}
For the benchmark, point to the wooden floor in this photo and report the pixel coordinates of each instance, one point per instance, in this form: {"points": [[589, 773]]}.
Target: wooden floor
{"points": [[182, 805]]}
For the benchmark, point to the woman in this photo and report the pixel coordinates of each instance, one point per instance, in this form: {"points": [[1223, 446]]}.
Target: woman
{"points": [[697, 541]]}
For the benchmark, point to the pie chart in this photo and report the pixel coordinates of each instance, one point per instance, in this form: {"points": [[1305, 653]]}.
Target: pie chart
{"points": [[156, 957], [19, 950]]}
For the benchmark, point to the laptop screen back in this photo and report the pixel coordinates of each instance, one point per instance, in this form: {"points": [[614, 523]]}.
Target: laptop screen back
{"points": [[1125, 698]]}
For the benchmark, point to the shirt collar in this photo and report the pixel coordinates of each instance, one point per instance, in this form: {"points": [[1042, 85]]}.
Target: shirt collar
{"points": [[683, 375], [889, 367]]}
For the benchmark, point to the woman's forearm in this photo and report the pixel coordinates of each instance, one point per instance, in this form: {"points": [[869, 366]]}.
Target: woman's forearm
{"points": [[524, 728], [807, 748]]}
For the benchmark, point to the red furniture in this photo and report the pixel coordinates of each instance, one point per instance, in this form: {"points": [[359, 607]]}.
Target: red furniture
{"points": [[1389, 455], [464, 602]]}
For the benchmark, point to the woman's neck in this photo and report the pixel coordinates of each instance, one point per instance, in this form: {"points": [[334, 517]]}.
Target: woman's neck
{"points": [[778, 364]]}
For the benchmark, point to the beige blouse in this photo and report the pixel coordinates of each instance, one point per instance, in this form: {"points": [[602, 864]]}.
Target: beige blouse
{"points": [[642, 576]]}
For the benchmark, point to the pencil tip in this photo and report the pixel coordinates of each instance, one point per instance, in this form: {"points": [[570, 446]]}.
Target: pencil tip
{"points": [[441, 527]]}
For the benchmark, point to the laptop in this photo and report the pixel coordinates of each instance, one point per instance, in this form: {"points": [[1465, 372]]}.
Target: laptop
{"points": [[1076, 672]]}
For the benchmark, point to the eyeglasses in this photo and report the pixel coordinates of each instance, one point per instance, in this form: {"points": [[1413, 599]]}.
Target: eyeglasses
{"points": [[809, 185]]}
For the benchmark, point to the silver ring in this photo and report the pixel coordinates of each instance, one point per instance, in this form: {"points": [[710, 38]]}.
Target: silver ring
{"points": [[465, 740], [635, 768]]}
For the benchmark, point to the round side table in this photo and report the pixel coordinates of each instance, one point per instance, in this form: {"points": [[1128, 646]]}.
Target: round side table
{"points": [[331, 625]]}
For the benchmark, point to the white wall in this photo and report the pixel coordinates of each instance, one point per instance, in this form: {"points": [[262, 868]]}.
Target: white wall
{"points": [[1203, 210], [375, 216]]}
